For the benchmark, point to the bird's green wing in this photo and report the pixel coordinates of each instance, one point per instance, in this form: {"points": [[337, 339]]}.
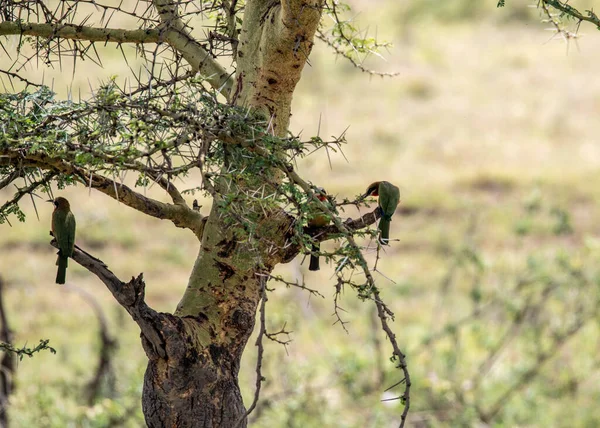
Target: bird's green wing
{"points": [[70, 226], [389, 197], [60, 230], [64, 231]]}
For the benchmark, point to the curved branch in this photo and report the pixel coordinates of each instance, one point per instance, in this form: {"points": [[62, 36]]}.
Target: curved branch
{"points": [[80, 32], [332, 231], [179, 213], [571, 11], [199, 58], [27, 82], [259, 358], [130, 295], [383, 312]]}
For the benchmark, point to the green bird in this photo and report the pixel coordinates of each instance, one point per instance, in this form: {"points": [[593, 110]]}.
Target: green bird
{"points": [[319, 219], [63, 229], [389, 197]]}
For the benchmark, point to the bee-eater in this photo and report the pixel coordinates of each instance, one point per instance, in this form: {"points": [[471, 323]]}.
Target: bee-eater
{"points": [[319, 219], [63, 229], [389, 197]]}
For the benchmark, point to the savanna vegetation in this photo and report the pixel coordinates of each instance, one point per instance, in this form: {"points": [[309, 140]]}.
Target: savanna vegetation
{"points": [[488, 128]]}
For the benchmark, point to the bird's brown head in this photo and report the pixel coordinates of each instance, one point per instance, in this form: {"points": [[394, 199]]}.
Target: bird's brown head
{"points": [[61, 204], [372, 190]]}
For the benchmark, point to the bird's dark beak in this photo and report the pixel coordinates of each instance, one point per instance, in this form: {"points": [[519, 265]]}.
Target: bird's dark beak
{"points": [[50, 200]]}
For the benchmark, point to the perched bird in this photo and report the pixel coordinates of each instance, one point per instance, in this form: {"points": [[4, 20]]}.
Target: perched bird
{"points": [[389, 197], [63, 229], [319, 219]]}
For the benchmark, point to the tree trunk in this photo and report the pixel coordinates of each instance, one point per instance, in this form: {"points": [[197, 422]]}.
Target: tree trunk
{"points": [[194, 383], [193, 391], [191, 401]]}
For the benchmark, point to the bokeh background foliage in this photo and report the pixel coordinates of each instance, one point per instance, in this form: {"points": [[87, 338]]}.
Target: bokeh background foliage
{"points": [[490, 130]]}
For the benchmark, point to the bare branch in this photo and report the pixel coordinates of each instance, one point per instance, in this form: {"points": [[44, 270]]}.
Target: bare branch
{"points": [[130, 295], [321, 36], [10, 178], [199, 58], [571, 11], [382, 312], [12, 75], [352, 225], [296, 284], [172, 32], [336, 307], [558, 27], [27, 190], [259, 344], [80, 32]]}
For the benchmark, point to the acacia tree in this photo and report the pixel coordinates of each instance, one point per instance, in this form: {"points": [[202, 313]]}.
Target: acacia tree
{"points": [[192, 113]]}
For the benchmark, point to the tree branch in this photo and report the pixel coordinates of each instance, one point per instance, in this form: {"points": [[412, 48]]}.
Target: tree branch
{"points": [[259, 357], [339, 51], [329, 232], [199, 58], [27, 190], [80, 32], [12, 75], [130, 295], [10, 178], [174, 33], [325, 233], [571, 11], [179, 213], [383, 312]]}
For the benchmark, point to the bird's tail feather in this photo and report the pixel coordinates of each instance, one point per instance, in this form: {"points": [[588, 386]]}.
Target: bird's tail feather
{"points": [[61, 273], [384, 227], [314, 258]]}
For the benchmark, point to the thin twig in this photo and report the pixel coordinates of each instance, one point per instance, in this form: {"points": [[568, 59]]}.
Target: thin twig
{"points": [[259, 356]]}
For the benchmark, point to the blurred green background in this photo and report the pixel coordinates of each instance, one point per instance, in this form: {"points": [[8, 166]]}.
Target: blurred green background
{"points": [[490, 131]]}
